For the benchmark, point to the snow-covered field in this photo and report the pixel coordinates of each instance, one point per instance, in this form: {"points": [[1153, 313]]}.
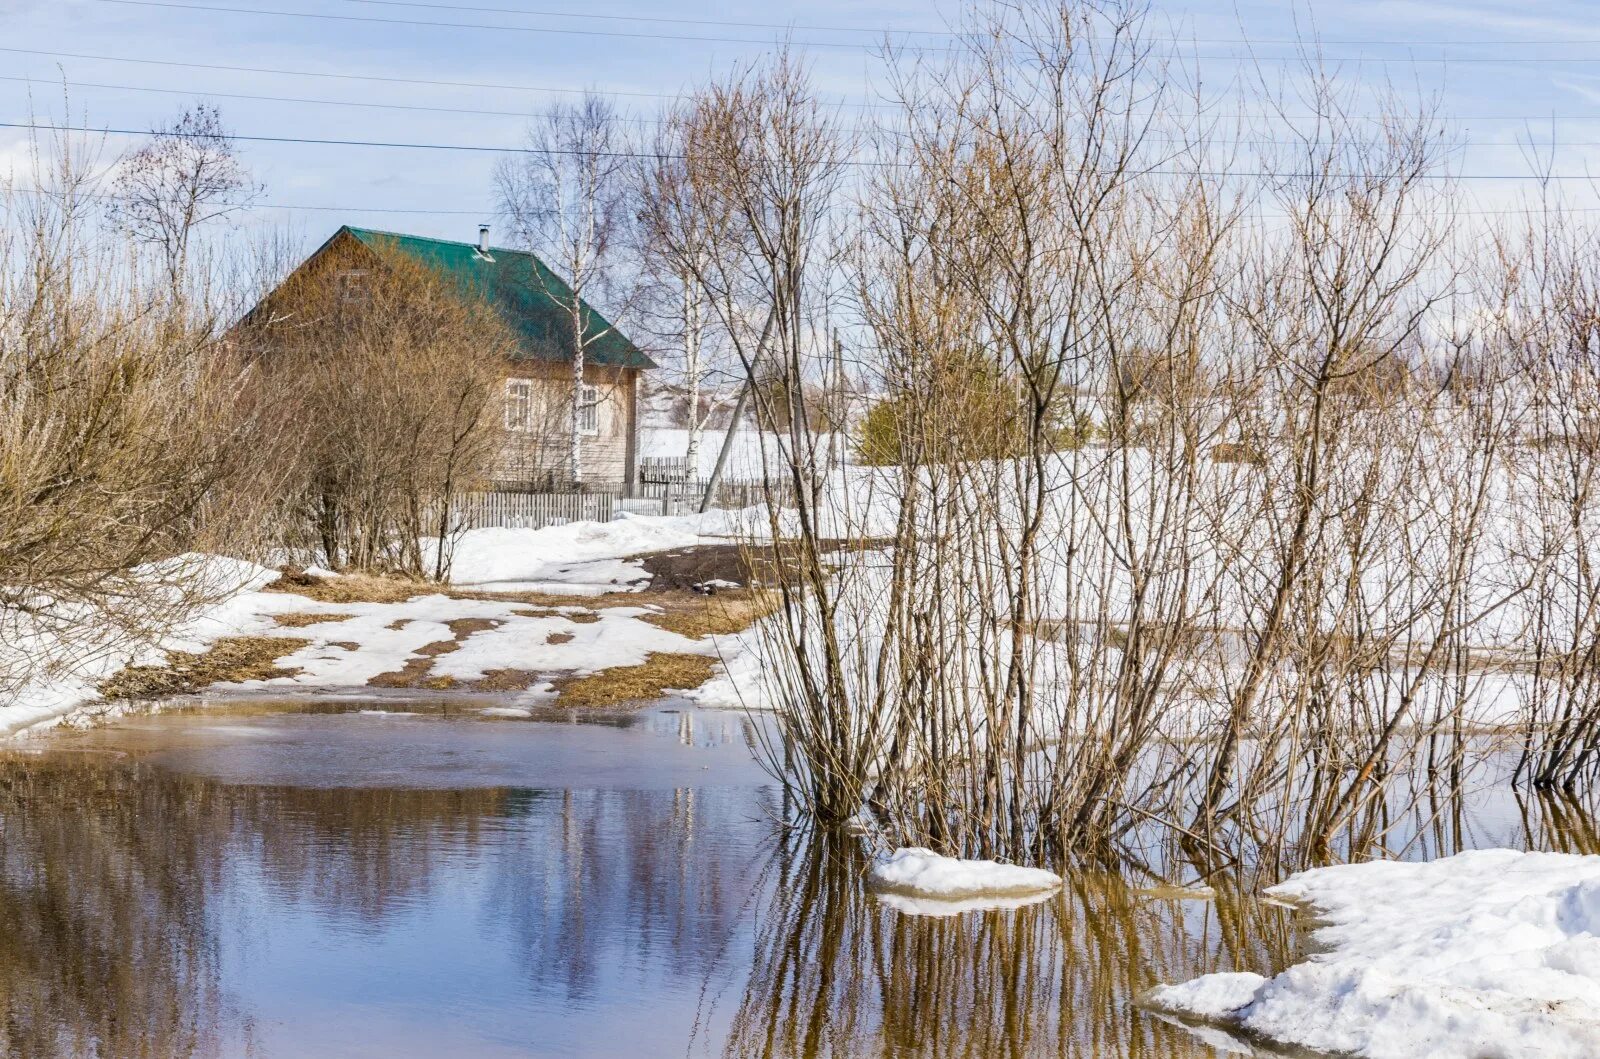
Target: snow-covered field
{"points": [[359, 641], [745, 460], [1487, 953], [584, 558]]}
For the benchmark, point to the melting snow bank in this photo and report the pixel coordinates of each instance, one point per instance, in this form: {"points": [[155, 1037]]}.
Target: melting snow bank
{"points": [[586, 556], [1493, 952], [62, 665], [922, 873]]}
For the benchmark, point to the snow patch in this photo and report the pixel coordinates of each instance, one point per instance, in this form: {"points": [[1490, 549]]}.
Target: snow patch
{"points": [[1493, 952], [585, 555], [918, 872]]}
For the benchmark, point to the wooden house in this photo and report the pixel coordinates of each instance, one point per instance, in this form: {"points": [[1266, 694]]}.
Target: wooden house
{"points": [[536, 417]]}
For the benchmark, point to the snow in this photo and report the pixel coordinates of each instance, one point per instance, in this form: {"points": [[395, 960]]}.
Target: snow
{"points": [[1487, 953], [745, 461], [62, 676], [741, 680], [580, 555], [618, 638], [918, 872], [363, 640]]}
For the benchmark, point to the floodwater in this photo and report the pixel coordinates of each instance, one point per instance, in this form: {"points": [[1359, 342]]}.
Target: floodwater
{"points": [[279, 883]]}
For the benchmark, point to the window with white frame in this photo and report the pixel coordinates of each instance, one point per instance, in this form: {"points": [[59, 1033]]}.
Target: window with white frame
{"points": [[353, 286], [589, 409], [519, 405]]}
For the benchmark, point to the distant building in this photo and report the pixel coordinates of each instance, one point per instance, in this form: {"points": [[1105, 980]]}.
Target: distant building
{"points": [[535, 418]]}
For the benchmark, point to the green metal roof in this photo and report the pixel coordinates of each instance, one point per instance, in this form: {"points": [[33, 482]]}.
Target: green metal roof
{"points": [[521, 287]]}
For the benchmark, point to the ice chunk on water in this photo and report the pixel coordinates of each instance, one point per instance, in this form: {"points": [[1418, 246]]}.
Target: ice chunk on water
{"points": [[924, 873]]}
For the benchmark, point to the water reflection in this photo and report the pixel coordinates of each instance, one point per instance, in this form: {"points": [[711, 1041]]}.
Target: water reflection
{"points": [[102, 949], [839, 972], [155, 900]]}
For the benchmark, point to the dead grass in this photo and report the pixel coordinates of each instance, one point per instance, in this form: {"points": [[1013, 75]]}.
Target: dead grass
{"points": [[465, 627], [550, 601], [1238, 452], [349, 588], [300, 621], [642, 683], [232, 659], [414, 674], [504, 680], [696, 616], [558, 638], [577, 617]]}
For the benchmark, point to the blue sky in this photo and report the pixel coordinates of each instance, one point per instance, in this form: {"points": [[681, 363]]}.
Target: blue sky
{"points": [[611, 48]]}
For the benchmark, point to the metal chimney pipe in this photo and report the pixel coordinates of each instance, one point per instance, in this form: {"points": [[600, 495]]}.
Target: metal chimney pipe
{"points": [[483, 239]]}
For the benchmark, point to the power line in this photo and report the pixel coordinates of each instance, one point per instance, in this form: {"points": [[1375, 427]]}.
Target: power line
{"points": [[377, 78], [497, 27], [430, 210], [196, 92], [658, 19], [894, 31], [1252, 141], [627, 94], [864, 163], [301, 100], [503, 28], [434, 211]]}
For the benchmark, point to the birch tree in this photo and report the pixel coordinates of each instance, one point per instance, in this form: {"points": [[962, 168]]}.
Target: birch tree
{"points": [[676, 234], [567, 198]]}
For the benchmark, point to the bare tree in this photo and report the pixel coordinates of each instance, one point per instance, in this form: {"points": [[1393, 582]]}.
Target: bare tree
{"points": [[567, 197], [119, 437], [188, 175], [382, 406], [676, 234]]}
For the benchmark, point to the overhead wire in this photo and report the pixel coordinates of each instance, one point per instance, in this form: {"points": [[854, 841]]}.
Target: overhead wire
{"points": [[573, 31]]}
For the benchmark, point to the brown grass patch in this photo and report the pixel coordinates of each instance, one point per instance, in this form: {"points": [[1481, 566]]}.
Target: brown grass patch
{"points": [[641, 683], [577, 617], [549, 600], [536, 612], [698, 616], [232, 659], [504, 680], [349, 588], [414, 674], [465, 627], [348, 645], [398, 624], [1238, 452], [557, 638], [300, 621]]}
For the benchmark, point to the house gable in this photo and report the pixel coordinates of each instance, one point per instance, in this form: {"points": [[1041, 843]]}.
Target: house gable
{"points": [[522, 289], [516, 284]]}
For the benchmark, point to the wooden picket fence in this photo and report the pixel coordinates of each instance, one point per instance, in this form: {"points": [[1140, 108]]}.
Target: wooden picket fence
{"points": [[731, 494], [537, 510], [534, 510]]}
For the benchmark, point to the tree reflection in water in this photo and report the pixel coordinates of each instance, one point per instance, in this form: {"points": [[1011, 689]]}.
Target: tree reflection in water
{"points": [[839, 973], [675, 921]]}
